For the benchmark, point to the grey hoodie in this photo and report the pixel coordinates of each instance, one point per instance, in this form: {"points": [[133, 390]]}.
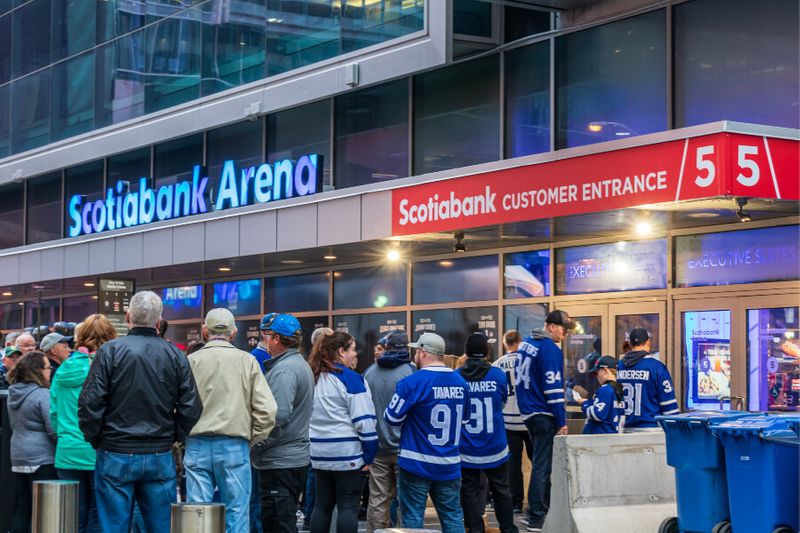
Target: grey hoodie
{"points": [[292, 384], [33, 442], [382, 384]]}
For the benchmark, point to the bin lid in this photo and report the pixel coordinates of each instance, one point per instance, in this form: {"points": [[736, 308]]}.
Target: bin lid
{"points": [[705, 418], [753, 425], [788, 437]]}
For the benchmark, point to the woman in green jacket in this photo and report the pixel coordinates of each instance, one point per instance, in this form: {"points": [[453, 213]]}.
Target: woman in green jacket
{"points": [[74, 456]]}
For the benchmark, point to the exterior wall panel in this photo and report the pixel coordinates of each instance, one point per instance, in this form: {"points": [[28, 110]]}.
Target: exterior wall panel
{"points": [[76, 260], [128, 252], [30, 267], [258, 233], [101, 256], [220, 238], [339, 221], [53, 263], [292, 218], [188, 244], [157, 248]]}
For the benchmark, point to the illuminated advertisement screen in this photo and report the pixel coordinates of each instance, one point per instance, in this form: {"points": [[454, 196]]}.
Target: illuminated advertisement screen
{"points": [[621, 266], [182, 302], [240, 297], [707, 357], [527, 274], [748, 256]]}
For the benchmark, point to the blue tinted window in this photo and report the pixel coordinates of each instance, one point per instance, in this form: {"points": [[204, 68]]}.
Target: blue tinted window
{"points": [[739, 62], [242, 142], [30, 112], [73, 105], [77, 308], [42, 312], [455, 280], [86, 179], [301, 131], [378, 287], [300, 33], [120, 79], [309, 324], [472, 17], [5, 49], [11, 219], [455, 325], [130, 167], [240, 297], [173, 61], [10, 316], [182, 302], [611, 81], [524, 318], [527, 274], [303, 292], [31, 43], [74, 27], [5, 120], [44, 205], [175, 160], [367, 331], [528, 100]]}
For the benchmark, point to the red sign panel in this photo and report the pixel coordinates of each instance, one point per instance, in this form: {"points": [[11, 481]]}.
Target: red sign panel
{"points": [[688, 169]]}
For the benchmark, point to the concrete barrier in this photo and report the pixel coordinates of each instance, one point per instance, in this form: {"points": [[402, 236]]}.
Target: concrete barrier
{"points": [[610, 483]]}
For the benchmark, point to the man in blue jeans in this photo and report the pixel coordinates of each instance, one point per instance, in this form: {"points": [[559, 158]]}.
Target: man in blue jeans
{"points": [[430, 406], [139, 398]]}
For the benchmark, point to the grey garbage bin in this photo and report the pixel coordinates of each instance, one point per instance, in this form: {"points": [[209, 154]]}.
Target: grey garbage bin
{"points": [[197, 518], [55, 507]]}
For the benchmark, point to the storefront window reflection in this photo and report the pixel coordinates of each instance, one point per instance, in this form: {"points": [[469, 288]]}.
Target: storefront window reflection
{"points": [[455, 280], [527, 274], [376, 287], [581, 348], [367, 330], [773, 352], [524, 318], [455, 325]]}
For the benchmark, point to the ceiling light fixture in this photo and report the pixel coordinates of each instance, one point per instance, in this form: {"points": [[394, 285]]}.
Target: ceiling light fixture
{"points": [[459, 247], [393, 255], [88, 284], [224, 269], [7, 294], [292, 262], [329, 257], [743, 215], [643, 228]]}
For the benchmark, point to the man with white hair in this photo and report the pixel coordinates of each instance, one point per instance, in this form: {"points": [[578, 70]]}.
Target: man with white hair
{"points": [[25, 342], [139, 398]]}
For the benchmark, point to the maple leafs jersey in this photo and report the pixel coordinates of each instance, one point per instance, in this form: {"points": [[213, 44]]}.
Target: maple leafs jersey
{"points": [[604, 412], [539, 387], [483, 438], [648, 391]]}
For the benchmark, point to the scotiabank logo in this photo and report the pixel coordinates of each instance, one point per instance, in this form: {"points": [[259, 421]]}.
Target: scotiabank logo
{"points": [[452, 207]]}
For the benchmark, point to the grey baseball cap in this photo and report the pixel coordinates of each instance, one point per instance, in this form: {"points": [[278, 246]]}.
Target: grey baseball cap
{"points": [[430, 342], [51, 340]]}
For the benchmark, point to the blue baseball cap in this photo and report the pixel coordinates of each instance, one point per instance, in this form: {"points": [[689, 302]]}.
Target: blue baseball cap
{"points": [[267, 320], [395, 339], [285, 325]]}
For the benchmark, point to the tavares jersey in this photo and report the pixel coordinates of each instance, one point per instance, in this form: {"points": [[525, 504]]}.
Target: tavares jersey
{"points": [[604, 412], [483, 438], [430, 406], [539, 387], [648, 390]]}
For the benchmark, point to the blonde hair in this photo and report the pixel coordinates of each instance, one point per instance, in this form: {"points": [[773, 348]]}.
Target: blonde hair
{"points": [[93, 332]]}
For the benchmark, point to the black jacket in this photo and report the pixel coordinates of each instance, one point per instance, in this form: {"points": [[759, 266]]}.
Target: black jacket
{"points": [[140, 395]]}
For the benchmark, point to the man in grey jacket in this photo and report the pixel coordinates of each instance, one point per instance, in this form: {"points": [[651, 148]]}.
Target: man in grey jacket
{"points": [[284, 457], [392, 366]]}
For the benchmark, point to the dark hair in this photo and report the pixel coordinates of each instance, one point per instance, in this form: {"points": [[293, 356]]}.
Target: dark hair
{"points": [[511, 337], [325, 352], [193, 347], [289, 342], [162, 327], [29, 369], [626, 347], [620, 395]]}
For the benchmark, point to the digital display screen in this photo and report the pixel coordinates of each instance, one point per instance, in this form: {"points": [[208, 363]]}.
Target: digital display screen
{"points": [[527, 274], [621, 266], [707, 353], [182, 302], [747, 256], [241, 298]]}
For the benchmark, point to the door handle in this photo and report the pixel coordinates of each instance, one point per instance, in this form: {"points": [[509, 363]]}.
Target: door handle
{"points": [[731, 399]]}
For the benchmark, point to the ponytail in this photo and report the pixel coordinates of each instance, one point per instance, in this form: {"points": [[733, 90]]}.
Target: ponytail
{"points": [[325, 353]]}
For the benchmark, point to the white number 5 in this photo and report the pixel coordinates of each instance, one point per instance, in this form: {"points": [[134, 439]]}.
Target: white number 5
{"points": [[748, 164], [705, 164]]}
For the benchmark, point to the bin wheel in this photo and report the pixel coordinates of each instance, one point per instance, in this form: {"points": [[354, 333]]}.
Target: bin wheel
{"points": [[722, 527], [783, 529], [669, 525]]}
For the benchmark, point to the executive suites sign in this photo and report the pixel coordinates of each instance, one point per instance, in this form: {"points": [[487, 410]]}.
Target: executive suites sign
{"points": [[699, 167], [255, 184]]}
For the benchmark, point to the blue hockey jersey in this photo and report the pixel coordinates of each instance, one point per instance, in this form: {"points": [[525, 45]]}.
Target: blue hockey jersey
{"points": [[539, 387], [483, 438], [604, 413], [431, 407], [648, 389]]}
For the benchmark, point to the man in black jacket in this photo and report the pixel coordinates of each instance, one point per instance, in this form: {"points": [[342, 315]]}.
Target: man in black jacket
{"points": [[139, 398]]}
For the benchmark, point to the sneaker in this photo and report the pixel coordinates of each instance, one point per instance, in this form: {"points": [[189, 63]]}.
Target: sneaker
{"points": [[534, 529], [518, 510], [534, 526]]}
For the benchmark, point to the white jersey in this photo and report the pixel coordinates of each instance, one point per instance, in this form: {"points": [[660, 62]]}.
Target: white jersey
{"points": [[511, 414]]}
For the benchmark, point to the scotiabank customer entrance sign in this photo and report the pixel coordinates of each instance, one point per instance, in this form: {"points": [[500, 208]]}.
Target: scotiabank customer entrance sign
{"points": [[256, 184], [687, 169]]}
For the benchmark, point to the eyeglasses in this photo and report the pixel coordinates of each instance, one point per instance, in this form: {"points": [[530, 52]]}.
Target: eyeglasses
{"points": [[48, 368]]}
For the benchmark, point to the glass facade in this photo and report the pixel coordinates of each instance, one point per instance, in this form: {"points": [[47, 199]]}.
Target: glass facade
{"points": [[527, 100], [300, 131], [44, 206]]}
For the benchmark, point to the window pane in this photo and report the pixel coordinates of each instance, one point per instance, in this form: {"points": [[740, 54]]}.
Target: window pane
{"points": [[457, 116], [5, 120], [772, 351], [182, 302], [292, 294], [455, 325], [301, 131], [182, 334], [30, 112], [73, 104], [247, 334], [44, 208], [737, 63], [472, 17], [372, 135], [524, 318], [707, 358], [175, 160], [527, 274], [367, 330], [173, 61], [300, 33], [120, 79], [242, 142], [74, 23], [130, 167], [381, 286], [11, 220], [528, 100], [11, 316], [368, 23], [309, 324], [455, 280], [611, 81], [31, 42], [77, 308], [522, 21], [5, 48], [86, 180], [241, 298], [44, 312]]}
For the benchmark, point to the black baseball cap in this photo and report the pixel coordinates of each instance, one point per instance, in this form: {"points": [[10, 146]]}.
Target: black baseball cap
{"points": [[605, 361], [478, 345], [638, 336], [395, 340], [560, 318]]}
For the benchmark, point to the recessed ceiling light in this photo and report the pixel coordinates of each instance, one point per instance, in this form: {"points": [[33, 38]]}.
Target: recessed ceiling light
{"points": [[7, 294], [224, 269], [703, 215], [329, 257], [94, 297], [88, 284], [37, 287], [21, 303], [644, 228], [446, 263], [393, 255], [292, 262]]}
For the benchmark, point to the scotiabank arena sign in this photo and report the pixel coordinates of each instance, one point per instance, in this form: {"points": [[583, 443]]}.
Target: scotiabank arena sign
{"points": [[256, 184], [687, 169]]}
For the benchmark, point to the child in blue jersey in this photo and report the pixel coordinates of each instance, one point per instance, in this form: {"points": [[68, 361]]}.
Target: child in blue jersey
{"points": [[484, 448], [430, 406], [646, 384], [605, 412]]}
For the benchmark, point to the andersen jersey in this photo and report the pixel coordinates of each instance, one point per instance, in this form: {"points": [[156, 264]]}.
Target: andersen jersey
{"points": [[604, 413], [511, 416], [648, 392], [540, 390], [483, 439], [431, 407]]}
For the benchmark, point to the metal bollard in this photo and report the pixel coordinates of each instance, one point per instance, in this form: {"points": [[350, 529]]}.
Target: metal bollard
{"points": [[197, 518], [55, 507]]}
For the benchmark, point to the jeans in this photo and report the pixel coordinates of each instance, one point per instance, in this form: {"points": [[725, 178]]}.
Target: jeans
{"points": [[383, 476], [280, 493], [311, 494], [473, 498], [87, 507], [21, 521], [517, 440], [340, 489], [255, 502], [149, 478], [222, 462], [413, 495], [542, 429]]}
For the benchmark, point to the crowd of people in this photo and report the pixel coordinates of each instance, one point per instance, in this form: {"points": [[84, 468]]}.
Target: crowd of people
{"points": [[129, 417]]}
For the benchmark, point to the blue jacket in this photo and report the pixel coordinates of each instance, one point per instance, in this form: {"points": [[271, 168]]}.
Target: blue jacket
{"points": [[540, 389], [261, 356], [605, 413]]}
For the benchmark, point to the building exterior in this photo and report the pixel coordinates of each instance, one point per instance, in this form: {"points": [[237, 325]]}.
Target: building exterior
{"points": [[634, 163]]}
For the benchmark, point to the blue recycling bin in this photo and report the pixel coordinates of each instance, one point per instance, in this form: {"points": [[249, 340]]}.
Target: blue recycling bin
{"points": [[699, 461], [761, 456]]}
